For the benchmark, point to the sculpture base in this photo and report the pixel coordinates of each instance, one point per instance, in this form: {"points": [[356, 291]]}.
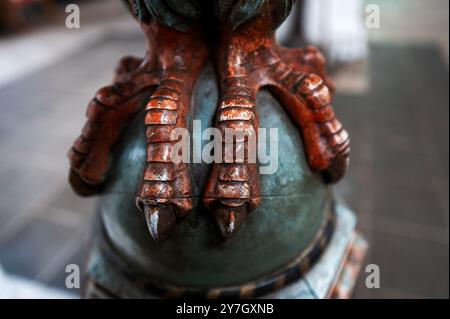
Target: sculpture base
{"points": [[333, 276]]}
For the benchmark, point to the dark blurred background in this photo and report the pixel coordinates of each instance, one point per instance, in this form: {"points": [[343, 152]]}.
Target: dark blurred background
{"points": [[392, 96]]}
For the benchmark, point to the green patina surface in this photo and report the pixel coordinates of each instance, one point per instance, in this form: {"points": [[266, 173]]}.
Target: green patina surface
{"points": [[292, 209], [181, 14]]}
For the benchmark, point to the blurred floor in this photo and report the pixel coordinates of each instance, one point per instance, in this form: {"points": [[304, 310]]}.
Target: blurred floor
{"points": [[398, 178], [398, 121]]}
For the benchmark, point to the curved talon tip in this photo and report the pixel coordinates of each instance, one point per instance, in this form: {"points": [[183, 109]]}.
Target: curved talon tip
{"points": [[336, 170], [160, 221], [230, 219], [81, 187]]}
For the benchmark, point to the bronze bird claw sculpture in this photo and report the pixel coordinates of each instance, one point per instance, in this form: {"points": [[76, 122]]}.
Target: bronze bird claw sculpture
{"points": [[240, 38]]}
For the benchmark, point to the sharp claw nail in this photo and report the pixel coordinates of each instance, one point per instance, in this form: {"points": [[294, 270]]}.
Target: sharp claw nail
{"points": [[229, 219], [336, 170], [160, 221], [81, 187]]}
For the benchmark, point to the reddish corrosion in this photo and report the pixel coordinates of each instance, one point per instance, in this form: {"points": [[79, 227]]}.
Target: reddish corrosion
{"points": [[247, 59]]}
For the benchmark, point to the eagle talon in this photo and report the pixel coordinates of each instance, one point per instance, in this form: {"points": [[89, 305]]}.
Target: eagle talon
{"points": [[247, 59], [229, 219], [160, 221], [81, 187]]}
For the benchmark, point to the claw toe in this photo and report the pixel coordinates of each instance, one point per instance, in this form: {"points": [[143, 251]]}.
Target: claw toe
{"points": [[230, 219], [81, 187], [160, 221], [336, 169]]}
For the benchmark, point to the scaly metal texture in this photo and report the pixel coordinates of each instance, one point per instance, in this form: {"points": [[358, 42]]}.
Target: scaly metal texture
{"points": [[247, 59]]}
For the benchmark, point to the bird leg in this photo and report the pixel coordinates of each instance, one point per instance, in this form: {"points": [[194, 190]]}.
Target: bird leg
{"points": [[248, 59], [164, 194], [172, 64]]}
